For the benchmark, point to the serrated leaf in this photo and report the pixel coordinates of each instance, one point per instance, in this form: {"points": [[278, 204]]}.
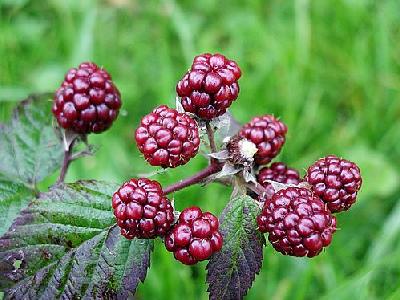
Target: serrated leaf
{"points": [[13, 198], [66, 245], [30, 149], [232, 271]]}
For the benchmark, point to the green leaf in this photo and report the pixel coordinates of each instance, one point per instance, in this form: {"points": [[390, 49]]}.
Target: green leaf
{"points": [[30, 149], [13, 198], [66, 245], [232, 271]]}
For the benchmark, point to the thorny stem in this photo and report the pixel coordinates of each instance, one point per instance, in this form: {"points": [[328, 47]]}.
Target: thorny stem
{"points": [[196, 178], [203, 174]]}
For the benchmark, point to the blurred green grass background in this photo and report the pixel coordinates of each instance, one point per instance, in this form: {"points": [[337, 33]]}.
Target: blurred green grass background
{"points": [[330, 70]]}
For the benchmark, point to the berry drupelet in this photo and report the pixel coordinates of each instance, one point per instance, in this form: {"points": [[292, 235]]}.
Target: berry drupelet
{"points": [[167, 138], [87, 100], [297, 222], [195, 237], [336, 181], [142, 210], [268, 134], [210, 86], [278, 172]]}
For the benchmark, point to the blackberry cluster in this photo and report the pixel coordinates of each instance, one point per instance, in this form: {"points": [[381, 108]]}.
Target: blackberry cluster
{"points": [[296, 215], [268, 134], [336, 181], [297, 222], [210, 86], [167, 138], [195, 237], [141, 209], [87, 101]]}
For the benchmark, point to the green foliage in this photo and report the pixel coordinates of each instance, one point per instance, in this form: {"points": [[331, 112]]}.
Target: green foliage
{"points": [[231, 271], [330, 69], [66, 244], [30, 150], [13, 197]]}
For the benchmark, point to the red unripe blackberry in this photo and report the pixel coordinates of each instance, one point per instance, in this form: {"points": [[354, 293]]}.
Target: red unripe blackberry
{"points": [[297, 222], [279, 172], [268, 134], [195, 237], [210, 86], [336, 181], [87, 101], [141, 209], [167, 138]]}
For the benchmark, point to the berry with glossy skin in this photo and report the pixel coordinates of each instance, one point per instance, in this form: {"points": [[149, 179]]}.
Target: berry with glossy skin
{"points": [[210, 86], [268, 134], [336, 181], [195, 237], [278, 172], [141, 209], [297, 222], [167, 138], [87, 101]]}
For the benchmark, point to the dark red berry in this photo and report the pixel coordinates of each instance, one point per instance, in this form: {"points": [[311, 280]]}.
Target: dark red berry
{"points": [[268, 134], [142, 210], [297, 222], [278, 172], [195, 237], [87, 100], [210, 86], [336, 181], [167, 138]]}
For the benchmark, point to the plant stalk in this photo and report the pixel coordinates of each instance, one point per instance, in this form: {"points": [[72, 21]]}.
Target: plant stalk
{"points": [[196, 178], [213, 168], [67, 160], [210, 134]]}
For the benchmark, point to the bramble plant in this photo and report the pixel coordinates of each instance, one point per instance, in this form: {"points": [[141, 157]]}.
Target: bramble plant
{"points": [[93, 239]]}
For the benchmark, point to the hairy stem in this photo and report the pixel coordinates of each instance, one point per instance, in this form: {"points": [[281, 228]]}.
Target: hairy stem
{"points": [[66, 162], [196, 178]]}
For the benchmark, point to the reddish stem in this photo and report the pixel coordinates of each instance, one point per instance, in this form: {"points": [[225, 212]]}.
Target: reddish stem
{"points": [[214, 167], [66, 162], [196, 178]]}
